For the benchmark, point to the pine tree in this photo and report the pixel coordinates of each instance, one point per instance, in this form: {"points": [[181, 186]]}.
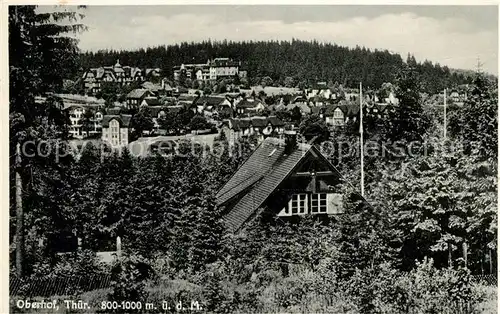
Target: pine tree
{"points": [[408, 121], [42, 54]]}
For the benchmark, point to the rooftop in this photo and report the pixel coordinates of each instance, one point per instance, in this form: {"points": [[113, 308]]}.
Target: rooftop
{"points": [[258, 177]]}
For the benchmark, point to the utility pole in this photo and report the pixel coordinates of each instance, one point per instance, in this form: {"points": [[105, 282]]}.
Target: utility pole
{"points": [[464, 249], [444, 123], [19, 214], [479, 66], [361, 138]]}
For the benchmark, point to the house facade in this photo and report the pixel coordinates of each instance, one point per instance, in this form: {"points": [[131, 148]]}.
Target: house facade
{"points": [[136, 97], [84, 121], [261, 127], [339, 114], [93, 78], [249, 106], [116, 129], [210, 71], [281, 178]]}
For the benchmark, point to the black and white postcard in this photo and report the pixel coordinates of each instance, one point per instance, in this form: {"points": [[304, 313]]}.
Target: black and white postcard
{"points": [[251, 158]]}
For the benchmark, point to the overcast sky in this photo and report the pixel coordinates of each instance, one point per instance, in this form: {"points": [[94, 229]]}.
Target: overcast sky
{"points": [[452, 35]]}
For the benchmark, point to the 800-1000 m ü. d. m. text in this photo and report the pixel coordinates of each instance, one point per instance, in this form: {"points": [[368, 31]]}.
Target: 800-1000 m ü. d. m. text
{"points": [[169, 306], [165, 306]]}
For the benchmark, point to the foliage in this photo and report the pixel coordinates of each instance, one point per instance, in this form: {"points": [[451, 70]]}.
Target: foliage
{"points": [[142, 121], [129, 276], [372, 258], [314, 128], [476, 122], [408, 121], [304, 62], [199, 122], [43, 51], [176, 122], [423, 290]]}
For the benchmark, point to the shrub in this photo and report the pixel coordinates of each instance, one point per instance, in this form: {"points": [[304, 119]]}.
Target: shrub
{"points": [[81, 264], [425, 289], [128, 279], [429, 290], [173, 291], [372, 289]]}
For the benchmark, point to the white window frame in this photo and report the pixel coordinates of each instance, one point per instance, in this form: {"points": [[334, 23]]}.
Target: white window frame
{"points": [[319, 203], [300, 201], [114, 127], [338, 117]]}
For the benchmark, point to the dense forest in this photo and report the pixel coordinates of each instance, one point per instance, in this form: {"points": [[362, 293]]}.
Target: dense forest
{"points": [[304, 61], [430, 220]]}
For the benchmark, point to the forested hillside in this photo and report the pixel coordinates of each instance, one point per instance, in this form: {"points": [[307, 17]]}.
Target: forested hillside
{"points": [[307, 62]]}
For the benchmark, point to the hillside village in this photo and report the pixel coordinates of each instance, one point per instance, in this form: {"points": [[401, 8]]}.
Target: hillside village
{"points": [[245, 177], [238, 112]]}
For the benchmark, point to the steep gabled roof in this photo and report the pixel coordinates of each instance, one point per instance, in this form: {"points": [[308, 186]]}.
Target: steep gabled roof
{"points": [[113, 110], [260, 122], [155, 110], [151, 86], [138, 93], [123, 119], [302, 106], [153, 101], [210, 100], [257, 178], [350, 109], [248, 103], [256, 166]]}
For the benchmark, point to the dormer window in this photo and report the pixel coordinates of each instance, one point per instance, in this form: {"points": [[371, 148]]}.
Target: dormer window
{"points": [[338, 117], [313, 203], [297, 205], [318, 203]]}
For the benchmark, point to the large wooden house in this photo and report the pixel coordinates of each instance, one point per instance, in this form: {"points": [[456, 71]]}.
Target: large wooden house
{"points": [[284, 178]]}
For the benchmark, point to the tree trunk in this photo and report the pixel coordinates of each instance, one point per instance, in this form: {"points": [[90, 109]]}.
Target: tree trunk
{"points": [[491, 262], [19, 238], [482, 261], [449, 255], [464, 247]]}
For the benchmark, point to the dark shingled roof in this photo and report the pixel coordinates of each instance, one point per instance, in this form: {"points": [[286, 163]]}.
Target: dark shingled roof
{"points": [[152, 87], [152, 101], [155, 110], [260, 122], [350, 109], [210, 100], [259, 176], [248, 103], [174, 109], [114, 111], [123, 119], [138, 93], [185, 97]]}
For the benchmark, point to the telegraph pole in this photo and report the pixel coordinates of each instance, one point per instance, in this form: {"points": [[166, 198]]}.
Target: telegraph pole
{"points": [[19, 214], [479, 65], [361, 138], [444, 123]]}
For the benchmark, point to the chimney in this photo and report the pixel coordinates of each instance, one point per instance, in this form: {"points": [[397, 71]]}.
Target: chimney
{"points": [[290, 141]]}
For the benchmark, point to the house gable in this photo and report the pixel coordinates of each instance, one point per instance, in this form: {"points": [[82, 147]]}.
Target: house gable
{"points": [[273, 170]]}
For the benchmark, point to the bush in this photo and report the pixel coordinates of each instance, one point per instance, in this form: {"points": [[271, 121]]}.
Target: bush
{"points": [[128, 279], [82, 265], [429, 290], [173, 291], [425, 289]]}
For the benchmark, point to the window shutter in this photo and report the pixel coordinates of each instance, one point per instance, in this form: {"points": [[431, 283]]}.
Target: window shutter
{"points": [[335, 204]]}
